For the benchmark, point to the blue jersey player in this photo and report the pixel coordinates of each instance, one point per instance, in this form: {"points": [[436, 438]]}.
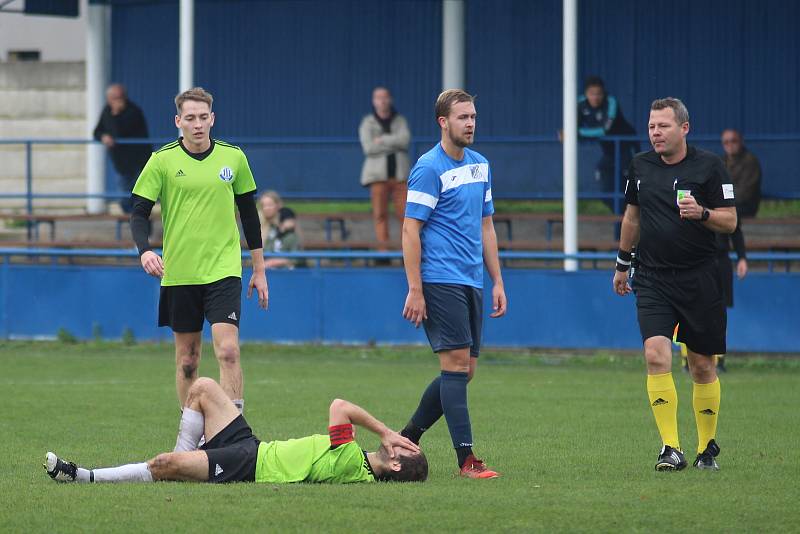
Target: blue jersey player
{"points": [[448, 235]]}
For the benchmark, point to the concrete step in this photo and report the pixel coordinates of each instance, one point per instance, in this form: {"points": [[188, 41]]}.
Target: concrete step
{"points": [[43, 75], [48, 162], [37, 103], [43, 128]]}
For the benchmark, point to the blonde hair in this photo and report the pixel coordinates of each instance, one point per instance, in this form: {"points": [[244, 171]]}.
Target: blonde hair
{"points": [[446, 100], [198, 94]]}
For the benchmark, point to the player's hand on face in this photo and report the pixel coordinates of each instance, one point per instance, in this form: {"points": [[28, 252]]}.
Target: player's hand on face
{"points": [[259, 282], [689, 208], [392, 439], [152, 264], [414, 309], [621, 286], [499, 301]]}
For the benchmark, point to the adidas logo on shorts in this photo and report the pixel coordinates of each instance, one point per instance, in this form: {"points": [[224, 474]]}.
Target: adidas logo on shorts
{"points": [[233, 316], [217, 470]]}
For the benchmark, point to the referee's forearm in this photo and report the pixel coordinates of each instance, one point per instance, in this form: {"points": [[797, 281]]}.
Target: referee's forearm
{"points": [[629, 233]]}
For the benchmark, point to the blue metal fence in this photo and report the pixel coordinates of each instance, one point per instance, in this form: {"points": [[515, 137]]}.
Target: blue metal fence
{"points": [[523, 167]]}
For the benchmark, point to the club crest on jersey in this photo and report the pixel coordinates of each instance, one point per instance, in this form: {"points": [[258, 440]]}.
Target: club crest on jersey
{"points": [[476, 171], [226, 174]]}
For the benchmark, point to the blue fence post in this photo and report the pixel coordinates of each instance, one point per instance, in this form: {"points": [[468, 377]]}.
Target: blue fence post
{"points": [[29, 183]]}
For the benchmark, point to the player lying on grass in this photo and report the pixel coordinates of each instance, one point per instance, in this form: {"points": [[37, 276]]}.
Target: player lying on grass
{"points": [[233, 454]]}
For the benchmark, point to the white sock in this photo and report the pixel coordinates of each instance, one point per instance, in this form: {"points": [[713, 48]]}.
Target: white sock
{"points": [[82, 475], [190, 430], [239, 404], [123, 473]]}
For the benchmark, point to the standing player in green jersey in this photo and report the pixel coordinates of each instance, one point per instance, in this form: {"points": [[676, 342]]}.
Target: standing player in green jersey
{"points": [[233, 454], [200, 181]]}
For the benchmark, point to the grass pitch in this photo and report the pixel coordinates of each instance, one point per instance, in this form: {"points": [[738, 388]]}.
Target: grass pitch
{"points": [[573, 437]]}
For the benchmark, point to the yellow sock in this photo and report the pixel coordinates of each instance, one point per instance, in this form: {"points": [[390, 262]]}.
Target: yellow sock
{"points": [[705, 399], [664, 402]]}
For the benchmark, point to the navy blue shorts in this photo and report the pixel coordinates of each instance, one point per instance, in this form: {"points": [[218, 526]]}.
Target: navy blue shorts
{"points": [[455, 317]]}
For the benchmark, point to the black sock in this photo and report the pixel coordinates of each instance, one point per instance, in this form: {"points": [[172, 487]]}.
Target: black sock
{"points": [[463, 453], [428, 412], [412, 432], [453, 392]]}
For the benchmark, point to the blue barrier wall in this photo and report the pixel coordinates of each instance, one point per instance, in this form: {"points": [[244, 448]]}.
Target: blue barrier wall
{"points": [[357, 305]]}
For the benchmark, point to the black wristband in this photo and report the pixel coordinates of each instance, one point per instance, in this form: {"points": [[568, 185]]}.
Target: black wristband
{"points": [[623, 260]]}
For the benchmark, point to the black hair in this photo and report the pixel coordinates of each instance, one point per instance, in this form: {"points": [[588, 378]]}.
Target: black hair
{"points": [[594, 81]]}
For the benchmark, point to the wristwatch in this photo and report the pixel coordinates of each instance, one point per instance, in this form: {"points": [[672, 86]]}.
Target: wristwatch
{"points": [[706, 214]]}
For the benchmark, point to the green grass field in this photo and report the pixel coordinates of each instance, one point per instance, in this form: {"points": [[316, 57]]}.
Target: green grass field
{"points": [[572, 435]]}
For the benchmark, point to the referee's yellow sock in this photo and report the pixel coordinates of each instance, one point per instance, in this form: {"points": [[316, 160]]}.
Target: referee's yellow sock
{"points": [[705, 399], [664, 402]]}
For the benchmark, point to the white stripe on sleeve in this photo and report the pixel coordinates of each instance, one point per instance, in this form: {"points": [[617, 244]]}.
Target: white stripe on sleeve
{"points": [[488, 196], [418, 197]]}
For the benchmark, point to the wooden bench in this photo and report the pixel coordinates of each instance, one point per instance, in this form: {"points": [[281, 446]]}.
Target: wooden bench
{"points": [[35, 219]]}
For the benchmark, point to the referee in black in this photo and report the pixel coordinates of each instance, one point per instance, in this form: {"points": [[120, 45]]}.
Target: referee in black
{"points": [[677, 198]]}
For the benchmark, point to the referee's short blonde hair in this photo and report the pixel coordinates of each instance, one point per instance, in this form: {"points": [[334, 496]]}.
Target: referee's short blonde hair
{"points": [[678, 108], [197, 94], [448, 98]]}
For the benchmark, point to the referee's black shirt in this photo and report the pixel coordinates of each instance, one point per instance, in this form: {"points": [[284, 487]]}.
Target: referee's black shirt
{"points": [[666, 241]]}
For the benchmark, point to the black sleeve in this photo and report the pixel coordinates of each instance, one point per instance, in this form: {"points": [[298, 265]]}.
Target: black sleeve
{"points": [[738, 242], [246, 203], [140, 222], [719, 190], [101, 129], [631, 188]]}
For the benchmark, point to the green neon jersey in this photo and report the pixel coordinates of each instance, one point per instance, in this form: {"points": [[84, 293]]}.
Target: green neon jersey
{"points": [[311, 459], [198, 211]]}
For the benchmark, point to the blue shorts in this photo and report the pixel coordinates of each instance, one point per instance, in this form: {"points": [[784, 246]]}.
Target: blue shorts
{"points": [[455, 317]]}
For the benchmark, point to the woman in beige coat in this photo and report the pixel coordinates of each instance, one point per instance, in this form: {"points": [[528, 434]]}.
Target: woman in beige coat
{"points": [[385, 137]]}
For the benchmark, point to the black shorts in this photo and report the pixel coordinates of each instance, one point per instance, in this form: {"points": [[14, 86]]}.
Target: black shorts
{"points": [[726, 277], [692, 298], [182, 308], [232, 454], [455, 317]]}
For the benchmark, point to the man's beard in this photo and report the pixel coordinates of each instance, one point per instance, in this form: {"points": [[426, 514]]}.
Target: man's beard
{"points": [[459, 142]]}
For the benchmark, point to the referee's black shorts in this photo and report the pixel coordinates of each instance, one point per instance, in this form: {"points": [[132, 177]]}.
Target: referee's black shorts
{"points": [[454, 318], [692, 298], [183, 308]]}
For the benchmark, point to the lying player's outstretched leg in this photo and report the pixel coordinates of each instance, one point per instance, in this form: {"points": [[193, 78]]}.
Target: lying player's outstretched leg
{"points": [[233, 454]]}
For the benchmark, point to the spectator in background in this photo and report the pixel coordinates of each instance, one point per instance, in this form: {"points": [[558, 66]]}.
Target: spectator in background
{"points": [[122, 118], [745, 171], [599, 114], [385, 137], [278, 230]]}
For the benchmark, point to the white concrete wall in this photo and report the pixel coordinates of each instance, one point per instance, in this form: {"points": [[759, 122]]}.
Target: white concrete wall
{"points": [[57, 38]]}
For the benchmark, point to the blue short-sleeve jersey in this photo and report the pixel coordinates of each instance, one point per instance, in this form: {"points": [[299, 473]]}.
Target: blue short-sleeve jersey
{"points": [[452, 198]]}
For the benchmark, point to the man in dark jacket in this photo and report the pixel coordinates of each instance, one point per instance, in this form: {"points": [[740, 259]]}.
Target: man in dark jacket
{"points": [[745, 171], [122, 118], [599, 115]]}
